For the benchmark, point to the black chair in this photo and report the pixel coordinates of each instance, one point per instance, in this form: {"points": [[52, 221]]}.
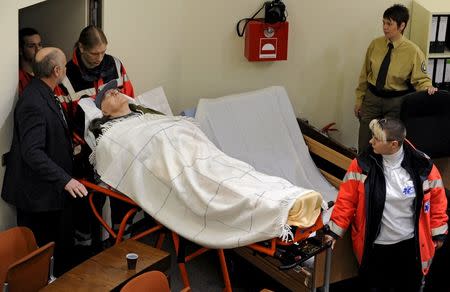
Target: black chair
{"points": [[427, 121]]}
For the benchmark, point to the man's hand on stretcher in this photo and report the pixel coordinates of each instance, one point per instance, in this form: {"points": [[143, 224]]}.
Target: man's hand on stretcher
{"points": [[76, 189]]}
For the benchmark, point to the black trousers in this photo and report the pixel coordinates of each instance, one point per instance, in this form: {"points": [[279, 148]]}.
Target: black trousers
{"points": [[374, 107], [87, 226], [50, 226], [393, 267]]}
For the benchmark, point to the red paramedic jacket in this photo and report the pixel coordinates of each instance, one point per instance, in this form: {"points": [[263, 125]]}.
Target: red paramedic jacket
{"points": [[363, 192]]}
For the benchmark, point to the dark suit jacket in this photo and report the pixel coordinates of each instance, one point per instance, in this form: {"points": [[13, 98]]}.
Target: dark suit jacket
{"points": [[39, 164]]}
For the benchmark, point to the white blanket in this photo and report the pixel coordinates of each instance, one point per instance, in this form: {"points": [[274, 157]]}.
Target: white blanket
{"points": [[260, 128], [170, 168]]}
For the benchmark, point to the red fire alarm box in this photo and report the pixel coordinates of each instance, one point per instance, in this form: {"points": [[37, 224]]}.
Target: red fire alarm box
{"points": [[266, 41]]}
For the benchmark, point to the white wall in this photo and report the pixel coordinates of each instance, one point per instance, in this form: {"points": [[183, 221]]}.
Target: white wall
{"points": [[191, 48], [8, 91]]}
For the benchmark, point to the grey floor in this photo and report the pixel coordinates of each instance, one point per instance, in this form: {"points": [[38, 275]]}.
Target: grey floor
{"points": [[204, 271]]}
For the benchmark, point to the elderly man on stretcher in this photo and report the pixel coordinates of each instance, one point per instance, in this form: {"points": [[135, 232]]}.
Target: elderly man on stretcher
{"points": [[170, 168]]}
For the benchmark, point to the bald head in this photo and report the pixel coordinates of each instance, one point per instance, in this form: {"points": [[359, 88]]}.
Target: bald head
{"points": [[46, 60]]}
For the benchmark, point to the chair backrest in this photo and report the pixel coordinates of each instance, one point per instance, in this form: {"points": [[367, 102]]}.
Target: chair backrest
{"points": [[149, 281], [31, 272], [427, 121], [15, 243]]}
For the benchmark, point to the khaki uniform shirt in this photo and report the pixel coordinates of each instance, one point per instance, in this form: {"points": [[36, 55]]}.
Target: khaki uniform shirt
{"points": [[407, 63]]}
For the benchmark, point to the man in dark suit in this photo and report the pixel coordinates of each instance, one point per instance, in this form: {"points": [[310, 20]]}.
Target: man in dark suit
{"points": [[38, 178]]}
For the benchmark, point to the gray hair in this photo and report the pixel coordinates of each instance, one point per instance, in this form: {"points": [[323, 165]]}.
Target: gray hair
{"points": [[44, 67]]}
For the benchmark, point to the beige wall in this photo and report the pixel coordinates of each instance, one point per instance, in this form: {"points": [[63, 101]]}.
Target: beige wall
{"points": [[8, 92], [191, 48]]}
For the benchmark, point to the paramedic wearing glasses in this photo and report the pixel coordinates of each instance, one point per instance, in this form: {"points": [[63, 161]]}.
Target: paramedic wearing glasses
{"points": [[394, 199], [393, 67]]}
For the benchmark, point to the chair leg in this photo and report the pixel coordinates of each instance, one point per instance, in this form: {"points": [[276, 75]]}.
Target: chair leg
{"points": [[184, 275], [160, 241], [51, 277], [223, 266], [182, 265], [183, 271], [123, 224]]}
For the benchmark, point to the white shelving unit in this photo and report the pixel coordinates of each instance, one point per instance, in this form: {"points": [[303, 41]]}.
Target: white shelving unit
{"points": [[422, 14], [421, 17]]}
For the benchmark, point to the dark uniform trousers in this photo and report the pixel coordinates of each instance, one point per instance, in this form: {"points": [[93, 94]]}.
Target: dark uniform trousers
{"points": [[375, 107]]}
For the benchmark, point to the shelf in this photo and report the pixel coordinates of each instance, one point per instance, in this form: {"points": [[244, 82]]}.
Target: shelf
{"points": [[444, 55], [436, 7], [421, 16]]}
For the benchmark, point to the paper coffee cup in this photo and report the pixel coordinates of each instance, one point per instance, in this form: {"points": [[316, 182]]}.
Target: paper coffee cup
{"points": [[132, 260]]}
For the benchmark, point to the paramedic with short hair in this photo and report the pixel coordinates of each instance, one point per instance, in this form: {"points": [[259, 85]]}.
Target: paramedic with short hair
{"points": [[394, 199]]}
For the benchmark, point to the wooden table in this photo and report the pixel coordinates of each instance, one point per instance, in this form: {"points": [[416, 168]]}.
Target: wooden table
{"points": [[108, 271]]}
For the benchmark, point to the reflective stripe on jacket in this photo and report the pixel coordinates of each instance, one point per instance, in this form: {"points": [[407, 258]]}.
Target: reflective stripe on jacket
{"points": [[351, 207], [81, 82]]}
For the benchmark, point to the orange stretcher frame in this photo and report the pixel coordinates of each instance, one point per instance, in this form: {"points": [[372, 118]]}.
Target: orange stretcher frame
{"points": [[300, 234]]}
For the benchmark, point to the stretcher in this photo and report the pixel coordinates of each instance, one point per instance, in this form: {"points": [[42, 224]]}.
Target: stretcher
{"points": [[290, 253]]}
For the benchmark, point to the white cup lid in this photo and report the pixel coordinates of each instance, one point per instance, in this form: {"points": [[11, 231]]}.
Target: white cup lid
{"points": [[132, 256]]}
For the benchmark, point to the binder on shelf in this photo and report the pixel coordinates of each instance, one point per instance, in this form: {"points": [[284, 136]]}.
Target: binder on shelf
{"points": [[447, 74], [441, 33], [433, 33], [439, 74], [447, 38], [430, 69]]}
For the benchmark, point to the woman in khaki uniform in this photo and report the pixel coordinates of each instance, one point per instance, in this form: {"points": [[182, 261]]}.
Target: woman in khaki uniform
{"points": [[393, 67]]}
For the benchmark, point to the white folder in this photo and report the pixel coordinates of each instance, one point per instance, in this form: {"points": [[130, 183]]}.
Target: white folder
{"points": [[433, 28], [447, 71], [440, 64], [430, 68], [442, 28]]}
